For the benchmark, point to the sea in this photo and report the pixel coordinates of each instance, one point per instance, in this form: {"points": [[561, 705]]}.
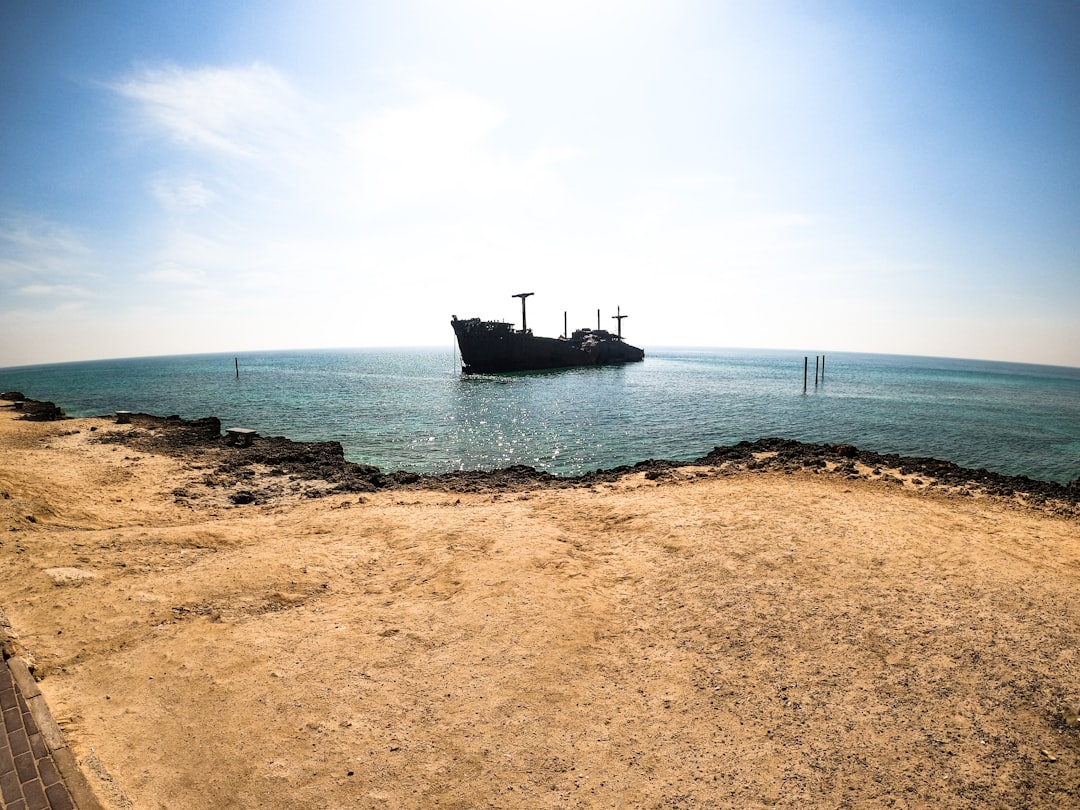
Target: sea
{"points": [[413, 409]]}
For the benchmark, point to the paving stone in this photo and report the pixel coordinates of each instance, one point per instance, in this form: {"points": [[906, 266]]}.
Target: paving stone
{"points": [[35, 796], [10, 789], [7, 759], [7, 692], [12, 719], [19, 742], [25, 767], [47, 771], [38, 747], [59, 798], [30, 778]]}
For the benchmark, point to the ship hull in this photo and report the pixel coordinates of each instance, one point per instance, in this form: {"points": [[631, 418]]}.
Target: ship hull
{"points": [[492, 347]]}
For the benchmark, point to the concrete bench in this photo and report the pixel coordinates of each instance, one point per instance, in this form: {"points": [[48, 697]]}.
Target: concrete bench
{"points": [[239, 436]]}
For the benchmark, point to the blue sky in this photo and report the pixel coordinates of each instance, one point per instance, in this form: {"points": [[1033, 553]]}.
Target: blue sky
{"points": [[899, 177]]}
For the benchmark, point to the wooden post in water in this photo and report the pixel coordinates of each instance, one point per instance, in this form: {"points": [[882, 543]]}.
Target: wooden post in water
{"points": [[805, 366], [816, 358], [565, 331], [822, 368], [237, 361], [597, 320]]}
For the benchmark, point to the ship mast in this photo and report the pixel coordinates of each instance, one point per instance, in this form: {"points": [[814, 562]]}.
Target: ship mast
{"points": [[522, 296], [618, 318]]}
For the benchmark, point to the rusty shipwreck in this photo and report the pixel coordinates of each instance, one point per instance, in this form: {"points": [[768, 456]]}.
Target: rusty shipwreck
{"points": [[493, 347]]}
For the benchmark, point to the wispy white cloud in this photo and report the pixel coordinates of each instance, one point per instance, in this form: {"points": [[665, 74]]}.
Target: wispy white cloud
{"points": [[175, 276], [54, 291], [235, 111], [31, 235], [436, 146], [182, 193], [278, 197], [274, 145], [36, 252]]}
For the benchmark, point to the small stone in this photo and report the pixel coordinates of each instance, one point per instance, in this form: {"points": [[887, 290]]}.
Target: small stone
{"points": [[1070, 713]]}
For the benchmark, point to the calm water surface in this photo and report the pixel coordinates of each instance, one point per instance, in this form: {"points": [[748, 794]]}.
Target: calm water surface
{"points": [[411, 409]]}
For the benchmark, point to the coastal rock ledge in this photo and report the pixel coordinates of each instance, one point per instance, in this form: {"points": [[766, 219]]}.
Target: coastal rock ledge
{"points": [[271, 466], [33, 410]]}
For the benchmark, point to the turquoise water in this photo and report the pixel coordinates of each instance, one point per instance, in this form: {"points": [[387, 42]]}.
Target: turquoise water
{"points": [[411, 409]]}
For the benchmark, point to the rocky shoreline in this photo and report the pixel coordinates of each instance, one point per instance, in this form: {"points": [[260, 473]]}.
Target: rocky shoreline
{"points": [[323, 469]]}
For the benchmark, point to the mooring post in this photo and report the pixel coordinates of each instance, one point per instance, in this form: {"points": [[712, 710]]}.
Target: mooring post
{"points": [[823, 368], [816, 358], [565, 331], [236, 360], [597, 320], [805, 366]]}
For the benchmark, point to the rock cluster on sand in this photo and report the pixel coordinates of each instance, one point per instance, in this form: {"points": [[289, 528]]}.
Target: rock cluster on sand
{"points": [[33, 410], [325, 462], [325, 470]]}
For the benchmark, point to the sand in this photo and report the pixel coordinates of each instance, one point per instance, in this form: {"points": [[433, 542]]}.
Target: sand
{"points": [[696, 639]]}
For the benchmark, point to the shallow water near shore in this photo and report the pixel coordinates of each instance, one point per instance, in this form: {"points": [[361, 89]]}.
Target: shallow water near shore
{"points": [[412, 409]]}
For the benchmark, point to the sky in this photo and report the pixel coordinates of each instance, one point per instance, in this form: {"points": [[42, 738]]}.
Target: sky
{"points": [[187, 176]]}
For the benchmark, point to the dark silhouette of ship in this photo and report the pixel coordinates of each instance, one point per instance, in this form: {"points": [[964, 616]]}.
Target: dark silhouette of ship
{"points": [[491, 347]]}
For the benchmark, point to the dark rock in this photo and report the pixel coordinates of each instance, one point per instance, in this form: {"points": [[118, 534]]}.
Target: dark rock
{"points": [[35, 411], [168, 434], [12, 396], [323, 466]]}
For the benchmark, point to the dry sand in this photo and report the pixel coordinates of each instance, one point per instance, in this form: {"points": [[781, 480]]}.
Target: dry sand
{"points": [[698, 640]]}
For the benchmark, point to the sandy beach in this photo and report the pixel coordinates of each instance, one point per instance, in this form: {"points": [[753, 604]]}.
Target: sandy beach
{"points": [[710, 635]]}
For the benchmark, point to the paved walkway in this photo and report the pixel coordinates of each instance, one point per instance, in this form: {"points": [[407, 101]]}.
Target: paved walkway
{"points": [[37, 769]]}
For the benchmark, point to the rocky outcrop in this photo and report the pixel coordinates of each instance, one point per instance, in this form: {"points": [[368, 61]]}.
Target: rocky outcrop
{"points": [[35, 411], [320, 468], [788, 454], [166, 433]]}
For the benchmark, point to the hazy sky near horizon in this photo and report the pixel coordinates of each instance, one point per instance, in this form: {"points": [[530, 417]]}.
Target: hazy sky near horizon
{"points": [[198, 176]]}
